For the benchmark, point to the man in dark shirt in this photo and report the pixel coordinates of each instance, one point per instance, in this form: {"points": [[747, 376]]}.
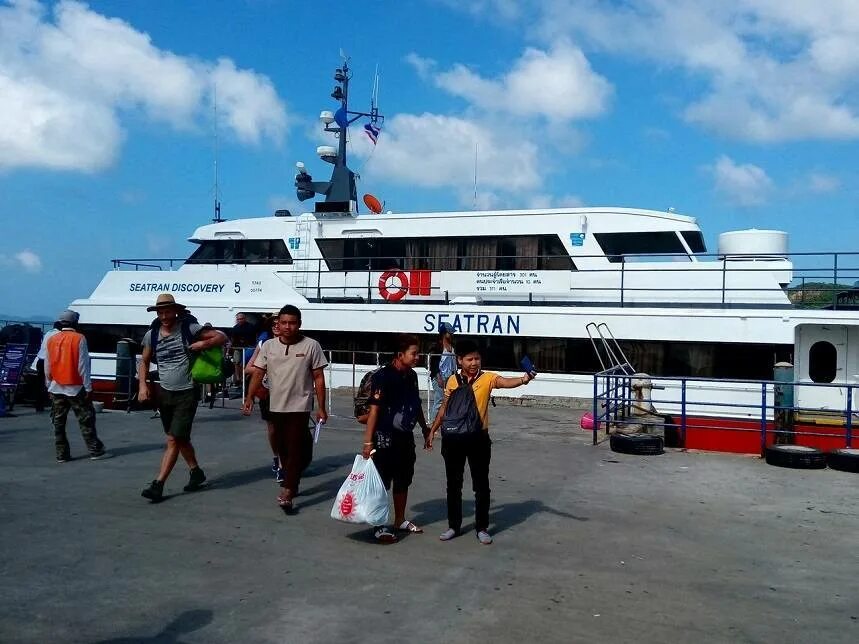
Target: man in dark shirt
{"points": [[243, 336], [395, 409]]}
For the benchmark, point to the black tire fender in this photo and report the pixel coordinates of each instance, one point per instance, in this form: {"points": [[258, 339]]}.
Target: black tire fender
{"points": [[640, 444], [843, 460], [797, 457]]}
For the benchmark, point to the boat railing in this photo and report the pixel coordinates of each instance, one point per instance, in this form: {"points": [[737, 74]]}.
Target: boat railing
{"points": [[805, 280], [753, 414]]}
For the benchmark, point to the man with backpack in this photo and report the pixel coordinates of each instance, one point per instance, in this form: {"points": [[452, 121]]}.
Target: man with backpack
{"points": [[464, 423], [395, 409], [172, 342]]}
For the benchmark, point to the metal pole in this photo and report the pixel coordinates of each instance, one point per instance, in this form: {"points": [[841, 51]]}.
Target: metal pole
{"points": [[763, 419], [622, 274], [429, 387], [328, 383], [596, 404], [835, 282], [848, 429], [132, 363], [724, 277], [683, 413]]}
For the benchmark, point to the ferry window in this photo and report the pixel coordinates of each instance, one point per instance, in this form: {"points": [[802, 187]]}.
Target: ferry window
{"points": [[256, 250], [618, 245], [237, 251], [333, 250], [822, 361], [695, 240], [488, 252]]}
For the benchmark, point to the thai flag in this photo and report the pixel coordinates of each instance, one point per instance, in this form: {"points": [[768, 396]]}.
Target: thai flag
{"points": [[372, 131]]}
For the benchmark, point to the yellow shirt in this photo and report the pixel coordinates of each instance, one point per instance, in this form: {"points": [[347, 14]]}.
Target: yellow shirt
{"points": [[482, 386]]}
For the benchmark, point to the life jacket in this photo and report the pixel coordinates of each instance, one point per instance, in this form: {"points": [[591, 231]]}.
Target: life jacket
{"points": [[64, 350]]}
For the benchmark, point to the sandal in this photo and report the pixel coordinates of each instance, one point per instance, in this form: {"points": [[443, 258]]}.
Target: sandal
{"points": [[383, 535], [284, 502], [408, 526]]}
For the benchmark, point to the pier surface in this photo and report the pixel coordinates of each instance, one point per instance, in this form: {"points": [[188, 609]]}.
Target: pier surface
{"points": [[590, 546]]}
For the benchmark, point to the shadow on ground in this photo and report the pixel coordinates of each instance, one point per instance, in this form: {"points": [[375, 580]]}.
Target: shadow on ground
{"points": [[187, 622]]}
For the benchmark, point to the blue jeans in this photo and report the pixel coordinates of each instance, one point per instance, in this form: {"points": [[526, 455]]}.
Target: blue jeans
{"points": [[437, 398]]}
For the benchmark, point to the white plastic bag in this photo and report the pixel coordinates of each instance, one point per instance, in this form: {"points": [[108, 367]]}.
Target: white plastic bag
{"points": [[362, 497]]}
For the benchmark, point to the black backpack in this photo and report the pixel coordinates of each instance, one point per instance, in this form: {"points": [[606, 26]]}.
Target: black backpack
{"points": [[185, 322], [461, 416], [361, 408]]}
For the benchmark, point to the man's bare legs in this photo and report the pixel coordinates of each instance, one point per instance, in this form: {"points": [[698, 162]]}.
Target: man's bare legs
{"points": [[171, 455]]}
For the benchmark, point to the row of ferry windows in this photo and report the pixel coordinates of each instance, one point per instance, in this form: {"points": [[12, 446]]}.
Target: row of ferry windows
{"points": [[241, 251], [514, 252]]}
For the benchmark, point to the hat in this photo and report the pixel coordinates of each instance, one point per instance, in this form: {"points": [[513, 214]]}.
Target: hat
{"points": [[69, 317], [164, 300], [445, 327]]}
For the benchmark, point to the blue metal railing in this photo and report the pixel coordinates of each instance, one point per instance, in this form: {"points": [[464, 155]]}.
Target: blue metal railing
{"points": [[689, 399]]}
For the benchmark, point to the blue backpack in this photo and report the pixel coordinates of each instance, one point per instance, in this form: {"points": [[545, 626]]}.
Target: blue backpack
{"points": [[461, 416]]}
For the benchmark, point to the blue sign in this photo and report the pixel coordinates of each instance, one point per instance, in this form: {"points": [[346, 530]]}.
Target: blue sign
{"points": [[294, 243], [12, 365], [577, 239]]}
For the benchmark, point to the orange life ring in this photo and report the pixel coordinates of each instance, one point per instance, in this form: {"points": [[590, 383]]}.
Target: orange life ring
{"points": [[397, 294]]}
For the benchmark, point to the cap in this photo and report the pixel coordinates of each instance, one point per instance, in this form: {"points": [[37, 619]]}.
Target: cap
{"points": [[445, 327], [69, 316]]}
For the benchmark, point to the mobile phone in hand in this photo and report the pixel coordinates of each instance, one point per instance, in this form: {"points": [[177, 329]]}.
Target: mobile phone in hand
{"points": [[527, 365]]}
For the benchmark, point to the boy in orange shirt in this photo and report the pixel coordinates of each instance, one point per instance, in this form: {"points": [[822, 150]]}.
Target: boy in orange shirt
{"points": [[472, 446]]}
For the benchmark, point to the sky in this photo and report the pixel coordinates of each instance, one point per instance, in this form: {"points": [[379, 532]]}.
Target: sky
{"points": [[741, 113]]}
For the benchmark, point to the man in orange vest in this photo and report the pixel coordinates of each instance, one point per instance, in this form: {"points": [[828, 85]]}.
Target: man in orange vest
{"points": [[67, 373]]}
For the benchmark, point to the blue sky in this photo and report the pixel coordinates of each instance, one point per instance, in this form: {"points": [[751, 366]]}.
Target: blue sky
{"points": [[742, 113]]}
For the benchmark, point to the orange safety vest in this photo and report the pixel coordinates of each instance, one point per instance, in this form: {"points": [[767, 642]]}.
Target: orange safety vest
{"points": [[64, 350]]}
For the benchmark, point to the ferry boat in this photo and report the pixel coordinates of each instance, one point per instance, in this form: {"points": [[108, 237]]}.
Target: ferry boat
{"points": [[518, 281]]}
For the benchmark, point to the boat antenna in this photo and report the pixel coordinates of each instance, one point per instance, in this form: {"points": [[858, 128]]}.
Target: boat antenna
{"points": [[217, 200], [476, 148], [341, 193]]}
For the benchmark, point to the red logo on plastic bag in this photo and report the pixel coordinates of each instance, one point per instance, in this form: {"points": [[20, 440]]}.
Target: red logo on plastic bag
{"points": [[347, 505], [356, 476]]}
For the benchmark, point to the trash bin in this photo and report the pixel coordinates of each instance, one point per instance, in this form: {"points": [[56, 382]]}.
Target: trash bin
{"points": [[126, 367]]}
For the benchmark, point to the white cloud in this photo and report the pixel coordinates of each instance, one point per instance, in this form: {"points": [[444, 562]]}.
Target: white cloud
{"points": [[436, 151], [31, 262], [69, 76], [423, 66], [558, 84], [823, 183], [768, 70], [26, 259], [743, 184]]}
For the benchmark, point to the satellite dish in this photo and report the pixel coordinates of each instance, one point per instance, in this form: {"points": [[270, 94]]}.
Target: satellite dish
{"points": [[372, 203]]}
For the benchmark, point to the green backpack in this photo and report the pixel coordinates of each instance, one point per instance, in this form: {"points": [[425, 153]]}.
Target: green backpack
{"points": [[207, 367]]}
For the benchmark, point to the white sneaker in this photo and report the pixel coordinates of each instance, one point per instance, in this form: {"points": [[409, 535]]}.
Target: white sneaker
{"points": [[484, 537]]}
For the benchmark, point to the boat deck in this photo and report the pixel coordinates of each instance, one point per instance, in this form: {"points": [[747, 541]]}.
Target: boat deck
{"points": [[590, 545]]}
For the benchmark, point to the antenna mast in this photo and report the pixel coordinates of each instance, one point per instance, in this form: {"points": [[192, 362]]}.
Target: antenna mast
{"points": [[476, 148], [217, 199]]}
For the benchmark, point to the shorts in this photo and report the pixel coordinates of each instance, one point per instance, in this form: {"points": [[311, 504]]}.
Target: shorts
{"points": [[178, 409], [239, 352], [395, 459], [264, 412]]}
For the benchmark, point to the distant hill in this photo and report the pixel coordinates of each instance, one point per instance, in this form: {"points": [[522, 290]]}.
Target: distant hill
{"points": [[815, 295], [38, 319]]}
